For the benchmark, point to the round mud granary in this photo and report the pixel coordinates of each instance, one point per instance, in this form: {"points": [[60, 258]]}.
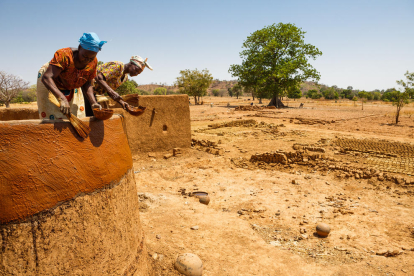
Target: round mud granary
{"points": [[68, 205]]}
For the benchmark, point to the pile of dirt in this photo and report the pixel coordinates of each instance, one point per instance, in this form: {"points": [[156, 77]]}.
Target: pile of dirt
{"points": [[307, 121], [308, 148], [207, 146]]}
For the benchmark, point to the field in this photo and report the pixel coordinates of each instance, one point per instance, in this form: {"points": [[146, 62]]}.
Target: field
{"points": [[273, 175]]}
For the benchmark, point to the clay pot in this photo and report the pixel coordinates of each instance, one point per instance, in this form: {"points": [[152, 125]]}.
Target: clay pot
{"points": [[189, 264], [136, 111], [323, 229], [103, 114], [204, 199], [202, 196]]}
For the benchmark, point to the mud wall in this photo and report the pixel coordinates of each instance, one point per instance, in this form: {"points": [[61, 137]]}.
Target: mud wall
{"points": [[68, 206], [164, 125], [8, 114]]}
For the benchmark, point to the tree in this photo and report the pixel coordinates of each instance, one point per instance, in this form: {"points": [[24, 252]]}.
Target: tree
{"points": [[230, 91], [347, 93], [275, 59], [128, 87], [238, 90], [376, 96], [314, 94], [216, 92], [10, 86], [194, 83], [160, 91], [401, 97], [363, 96], [294, 93], [330, 94], [354, 99]]}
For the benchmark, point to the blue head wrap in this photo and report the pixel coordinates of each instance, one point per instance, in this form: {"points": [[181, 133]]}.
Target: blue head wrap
{"points": [[91, 42]]}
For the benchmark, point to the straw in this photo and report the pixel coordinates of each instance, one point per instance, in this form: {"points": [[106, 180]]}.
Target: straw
{"points": [[81, 128]]}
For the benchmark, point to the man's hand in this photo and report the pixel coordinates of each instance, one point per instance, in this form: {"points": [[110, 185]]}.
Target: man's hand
{"points": [[123, 104], [64, 106], [96, 105]]}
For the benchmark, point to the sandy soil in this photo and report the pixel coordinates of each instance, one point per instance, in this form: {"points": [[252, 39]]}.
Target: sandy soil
{"points": [[258, 222]]}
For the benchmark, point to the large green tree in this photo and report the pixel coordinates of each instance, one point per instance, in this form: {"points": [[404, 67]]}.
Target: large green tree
{"points": [[276, 59], [194, 83]]}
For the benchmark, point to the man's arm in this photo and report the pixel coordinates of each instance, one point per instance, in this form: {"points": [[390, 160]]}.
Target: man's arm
{"points": [[87, 90], [100, 79], [47, 79]]}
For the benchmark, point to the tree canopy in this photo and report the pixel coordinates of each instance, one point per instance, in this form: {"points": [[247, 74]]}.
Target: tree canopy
{"points": [[275, 59], [294, 93], [194, 83], [160, 91], [10, 87]]}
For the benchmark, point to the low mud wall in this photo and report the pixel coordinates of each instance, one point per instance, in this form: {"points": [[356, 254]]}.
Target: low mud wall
{"points": [[9, 114], [164, 125], [68, 206]]}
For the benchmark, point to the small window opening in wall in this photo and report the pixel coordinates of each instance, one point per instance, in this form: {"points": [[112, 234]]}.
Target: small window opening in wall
{"points": [[164, 128]]}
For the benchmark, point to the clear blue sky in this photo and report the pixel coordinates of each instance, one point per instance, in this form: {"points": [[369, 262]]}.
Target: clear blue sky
{"points": [[365, 44]]}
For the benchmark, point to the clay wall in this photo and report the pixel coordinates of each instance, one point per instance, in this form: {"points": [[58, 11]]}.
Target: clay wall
{"points": [[68, 206], [8, 114], [164, 125]]}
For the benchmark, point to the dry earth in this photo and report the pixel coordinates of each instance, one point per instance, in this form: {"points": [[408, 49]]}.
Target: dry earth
{"points": [[352, 170]]}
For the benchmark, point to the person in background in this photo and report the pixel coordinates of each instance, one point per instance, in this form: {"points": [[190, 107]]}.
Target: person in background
{"points": [[68, 77], [113, 74]]}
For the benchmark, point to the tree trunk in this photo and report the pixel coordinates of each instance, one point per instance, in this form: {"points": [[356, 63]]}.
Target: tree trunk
{"points": [[397, 115], [362, 105], [7, 103], [276, 102], [260, 101], [237, 95], [195, 100]]}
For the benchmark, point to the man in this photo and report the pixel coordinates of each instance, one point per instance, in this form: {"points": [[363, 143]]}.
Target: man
{"points": [[113, 74]]}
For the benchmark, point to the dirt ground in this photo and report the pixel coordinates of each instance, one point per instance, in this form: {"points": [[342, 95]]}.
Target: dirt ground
{"points": [[352, 170]]}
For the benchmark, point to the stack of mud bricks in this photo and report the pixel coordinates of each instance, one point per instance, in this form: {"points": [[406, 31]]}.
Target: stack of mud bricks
{"points": [[207, 146], [302, 147], [311, 121], [270, 157], [238, 123], [285, 157], [249, 108]]}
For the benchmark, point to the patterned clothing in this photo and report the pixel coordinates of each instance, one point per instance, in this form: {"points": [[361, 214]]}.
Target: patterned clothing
{"points": [[47, 110], [112, 72], [70, 77]]}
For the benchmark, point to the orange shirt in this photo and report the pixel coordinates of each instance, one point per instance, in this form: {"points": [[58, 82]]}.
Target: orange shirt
{"points": [[70, 77]]}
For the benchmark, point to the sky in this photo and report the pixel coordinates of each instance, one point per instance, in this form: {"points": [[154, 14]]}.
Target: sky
{"points": [[366, 44]]}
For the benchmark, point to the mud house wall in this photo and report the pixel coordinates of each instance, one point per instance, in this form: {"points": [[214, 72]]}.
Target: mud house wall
{"points": [[8, 114], [68, 206], [164, 125]]}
